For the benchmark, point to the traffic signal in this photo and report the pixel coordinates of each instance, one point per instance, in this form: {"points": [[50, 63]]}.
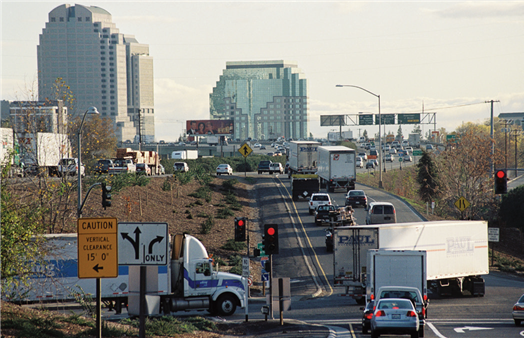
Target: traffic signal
{"points": [[106, 195], [501, 182], [271, 239], [240, 229]]}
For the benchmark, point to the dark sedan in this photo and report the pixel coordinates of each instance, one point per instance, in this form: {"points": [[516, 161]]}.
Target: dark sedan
{"points": [[366, 317], [356, 198]]}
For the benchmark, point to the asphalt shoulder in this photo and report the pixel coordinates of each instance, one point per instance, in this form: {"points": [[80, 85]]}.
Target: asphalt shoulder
{"points": [[273, 328]]}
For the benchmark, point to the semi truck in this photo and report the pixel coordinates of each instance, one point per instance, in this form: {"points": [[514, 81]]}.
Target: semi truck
{"points": [[304, 185], [337, 167], [41, 152], [188, 281], [151, 158], [457, 254], [184, 154], [303, 157]]}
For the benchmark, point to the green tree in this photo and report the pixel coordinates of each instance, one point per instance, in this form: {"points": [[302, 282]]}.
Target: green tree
{"points": [[21, 229], [427, 176], [510, 205]]}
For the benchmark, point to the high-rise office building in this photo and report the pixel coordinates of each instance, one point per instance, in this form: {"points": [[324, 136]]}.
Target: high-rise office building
{"points": [[266, 99], [81, 46]]}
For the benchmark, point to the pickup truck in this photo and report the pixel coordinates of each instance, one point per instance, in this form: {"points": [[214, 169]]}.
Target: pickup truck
{"points": [[263, 166], [122, 166]]}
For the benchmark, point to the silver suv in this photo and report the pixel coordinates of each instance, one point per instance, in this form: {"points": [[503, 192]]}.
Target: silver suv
{"points": [[318, 199]]}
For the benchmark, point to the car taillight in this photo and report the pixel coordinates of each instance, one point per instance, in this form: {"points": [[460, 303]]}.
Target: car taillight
{"points": [[411, 314], [372, 296], [518, 308], [423, 311], [369, 315], [380, 313]]}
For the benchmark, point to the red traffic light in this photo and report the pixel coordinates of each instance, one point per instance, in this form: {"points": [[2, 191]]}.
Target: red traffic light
{"points": [[270, 231], [501, 174], [240, 223]]}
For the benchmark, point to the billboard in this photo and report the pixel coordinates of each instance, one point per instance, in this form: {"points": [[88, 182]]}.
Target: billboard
{"points": [[332, 120], [209, 127]]}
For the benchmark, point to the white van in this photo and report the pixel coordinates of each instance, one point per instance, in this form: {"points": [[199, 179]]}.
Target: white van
{"points": [[380, 213], [181, 166]]}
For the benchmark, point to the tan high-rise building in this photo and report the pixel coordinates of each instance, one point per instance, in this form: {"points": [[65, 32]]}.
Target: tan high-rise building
{"points": [[102, 67]]}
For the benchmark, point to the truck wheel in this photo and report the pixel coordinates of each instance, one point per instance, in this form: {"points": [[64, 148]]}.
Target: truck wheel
{"points": [[226, 305]]}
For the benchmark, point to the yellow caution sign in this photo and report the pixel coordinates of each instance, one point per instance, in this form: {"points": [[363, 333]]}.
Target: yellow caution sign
{"points": [[97, 248], [245, 150], [462, 204]]}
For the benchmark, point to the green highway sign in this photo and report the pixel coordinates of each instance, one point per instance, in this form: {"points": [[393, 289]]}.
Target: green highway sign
{"points": [[417, 152], [385, 119], [365, 119], [408, 118]]}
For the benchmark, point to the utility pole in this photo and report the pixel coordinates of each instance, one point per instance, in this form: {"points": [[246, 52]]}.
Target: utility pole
{"points": [[492, 140]]}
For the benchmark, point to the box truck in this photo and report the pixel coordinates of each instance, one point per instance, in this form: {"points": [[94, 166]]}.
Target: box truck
{"points": [[184, 154]]}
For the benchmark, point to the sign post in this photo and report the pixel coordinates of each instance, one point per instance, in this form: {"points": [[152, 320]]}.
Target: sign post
{"points": [[143, 244], [97, 255], [245, 150]]}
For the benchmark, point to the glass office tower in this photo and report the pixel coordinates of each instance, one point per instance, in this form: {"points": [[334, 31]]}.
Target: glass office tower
{"points": [[266, 99]]}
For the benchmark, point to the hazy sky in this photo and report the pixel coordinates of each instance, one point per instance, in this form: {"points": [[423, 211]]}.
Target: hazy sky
{"points": [[448, 57]]}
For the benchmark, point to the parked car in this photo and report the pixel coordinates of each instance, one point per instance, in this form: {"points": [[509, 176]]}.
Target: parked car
{"points": [[317, 199], [224, 169], [143, 168], [180, 166], [366, 317], [356, 198], [518, 311], [394, 315], [322, 213], [276, 167], [380, 213], [102, 166]]}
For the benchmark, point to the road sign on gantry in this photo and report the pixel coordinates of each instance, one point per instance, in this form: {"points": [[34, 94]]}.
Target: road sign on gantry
{"points": [[142, 243], [97, 248]]}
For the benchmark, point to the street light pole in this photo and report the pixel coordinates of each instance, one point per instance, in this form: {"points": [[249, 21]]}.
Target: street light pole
{"points": [[379, 132], [91, 110]]}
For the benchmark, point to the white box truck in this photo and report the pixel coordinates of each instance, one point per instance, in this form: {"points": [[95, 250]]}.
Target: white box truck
{"points": [[184, 154], [457, 254], [340, 136], [41, 152], [414, 140], [337, 167], [303, 157], [396, 268]]}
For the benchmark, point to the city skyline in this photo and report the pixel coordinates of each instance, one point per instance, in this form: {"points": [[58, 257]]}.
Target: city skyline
{"points": [[447, 58]]}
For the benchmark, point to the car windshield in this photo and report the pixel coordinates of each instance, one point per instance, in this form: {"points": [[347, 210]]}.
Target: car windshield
{"points": [[326, 208]]}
